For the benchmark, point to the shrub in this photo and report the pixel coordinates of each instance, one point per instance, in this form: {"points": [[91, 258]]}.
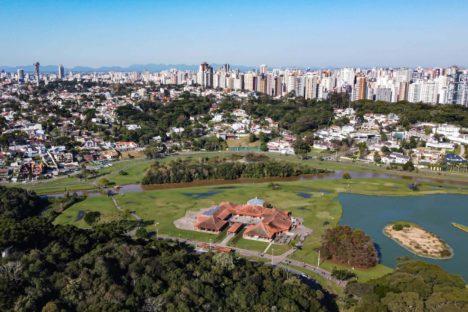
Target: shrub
{"points": [[92, 217], [343, 275]]}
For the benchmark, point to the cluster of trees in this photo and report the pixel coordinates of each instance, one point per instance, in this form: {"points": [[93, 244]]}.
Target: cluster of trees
{"points": [[345, 245], [17, 203], [179, 171], [157, 118], [295, 114], [64, 268], [411, 113], [414, 286]]}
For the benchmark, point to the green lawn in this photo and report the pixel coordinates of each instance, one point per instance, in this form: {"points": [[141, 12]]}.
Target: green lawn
{"points": [[320, 211], [135, 169], [102, 204]]}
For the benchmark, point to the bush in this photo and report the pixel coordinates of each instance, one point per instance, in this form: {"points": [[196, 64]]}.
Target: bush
{"points": [[343, 275], [102, 182], [123, 173], [397, 227], [92, 217], [141, 233], [346, 176]]}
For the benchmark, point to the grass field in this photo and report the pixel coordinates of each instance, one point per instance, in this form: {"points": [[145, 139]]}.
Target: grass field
{"points": [[242, 142], [321, 211], [135, 169], [103, 204]]}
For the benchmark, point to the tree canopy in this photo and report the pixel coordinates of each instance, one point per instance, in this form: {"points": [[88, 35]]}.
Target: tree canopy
{"points": [[413, 286]]}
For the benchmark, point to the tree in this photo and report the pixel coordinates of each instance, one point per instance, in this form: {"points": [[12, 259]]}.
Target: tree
{"points": [[50, 307], [155, 150], [362, 149], [92, 217], [349, 246], [377, 157], [301, 147], [343, 275], [413, 286], [141, 233], [408, 166], [103, 182], [346, 176]]}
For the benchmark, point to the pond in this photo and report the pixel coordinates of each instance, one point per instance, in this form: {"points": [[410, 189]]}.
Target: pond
{"points": [[433, 212]]}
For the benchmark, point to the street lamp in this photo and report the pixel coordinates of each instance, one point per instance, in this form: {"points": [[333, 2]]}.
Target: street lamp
{"points": [[210, 243], [156, 226]]}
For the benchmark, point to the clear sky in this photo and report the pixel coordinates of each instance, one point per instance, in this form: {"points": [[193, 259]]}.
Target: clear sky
{"points": [[315, 33]]}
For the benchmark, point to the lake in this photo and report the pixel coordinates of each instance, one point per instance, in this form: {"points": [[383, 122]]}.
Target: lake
{"points": [[433, 212]]}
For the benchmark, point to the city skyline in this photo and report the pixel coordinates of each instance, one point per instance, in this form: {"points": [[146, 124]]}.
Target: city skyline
{"points": [[317, 35]]}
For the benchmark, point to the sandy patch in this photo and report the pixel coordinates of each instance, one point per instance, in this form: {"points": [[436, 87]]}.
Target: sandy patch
{"points": [[419, 241]]}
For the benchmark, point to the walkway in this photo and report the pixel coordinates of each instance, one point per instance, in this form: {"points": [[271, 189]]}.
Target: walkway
{"points": [[132, 232], [227, 239]]}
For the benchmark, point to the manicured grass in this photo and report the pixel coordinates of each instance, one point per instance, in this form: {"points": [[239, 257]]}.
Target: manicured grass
{"points": [[102, 204], [137, 167], [319, 212], [249, 244]]}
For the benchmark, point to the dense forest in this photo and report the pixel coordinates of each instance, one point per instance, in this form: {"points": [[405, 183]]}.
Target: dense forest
{"points": [[349, 246], [179, 171], [63, 268], [414, 286]]}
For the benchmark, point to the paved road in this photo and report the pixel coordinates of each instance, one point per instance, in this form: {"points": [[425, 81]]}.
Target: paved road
{"points": [[279, 260]]}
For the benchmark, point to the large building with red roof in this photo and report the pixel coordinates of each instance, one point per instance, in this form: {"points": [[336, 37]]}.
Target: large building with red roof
{"points": [[260, 222]]}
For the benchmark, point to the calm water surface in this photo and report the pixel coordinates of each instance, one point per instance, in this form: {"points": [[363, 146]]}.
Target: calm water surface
{"points": [[433, 212]]}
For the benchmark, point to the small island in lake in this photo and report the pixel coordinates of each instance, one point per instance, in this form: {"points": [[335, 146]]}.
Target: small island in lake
{"points": [[418, 240], [459, 226]]}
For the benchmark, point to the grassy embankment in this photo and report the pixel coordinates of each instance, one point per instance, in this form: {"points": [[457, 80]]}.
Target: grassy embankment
{"points": [[459, 226]]}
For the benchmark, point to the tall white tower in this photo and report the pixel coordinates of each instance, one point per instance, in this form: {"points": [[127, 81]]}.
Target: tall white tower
{"points": [[36, 70]]}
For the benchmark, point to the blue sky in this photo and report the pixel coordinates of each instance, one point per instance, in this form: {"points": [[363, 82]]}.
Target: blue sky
{"points": [[315, 33]]}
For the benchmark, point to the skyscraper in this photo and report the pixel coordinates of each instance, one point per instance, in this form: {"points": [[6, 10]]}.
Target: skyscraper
{"points": [[263, 69], [61, 72], [262, 84], [36, 70], [20, 75], [360, 88], [205, 75]]}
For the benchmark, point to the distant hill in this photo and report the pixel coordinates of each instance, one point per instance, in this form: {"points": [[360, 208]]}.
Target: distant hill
{"points": [[131, 68]]}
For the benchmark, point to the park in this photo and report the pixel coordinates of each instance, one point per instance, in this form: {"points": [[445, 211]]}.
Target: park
{"points": [[315, 201]]}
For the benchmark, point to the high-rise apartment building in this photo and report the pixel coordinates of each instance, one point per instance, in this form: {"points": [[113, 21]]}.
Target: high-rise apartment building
{"points": [[263, 69], [61, 72]]}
